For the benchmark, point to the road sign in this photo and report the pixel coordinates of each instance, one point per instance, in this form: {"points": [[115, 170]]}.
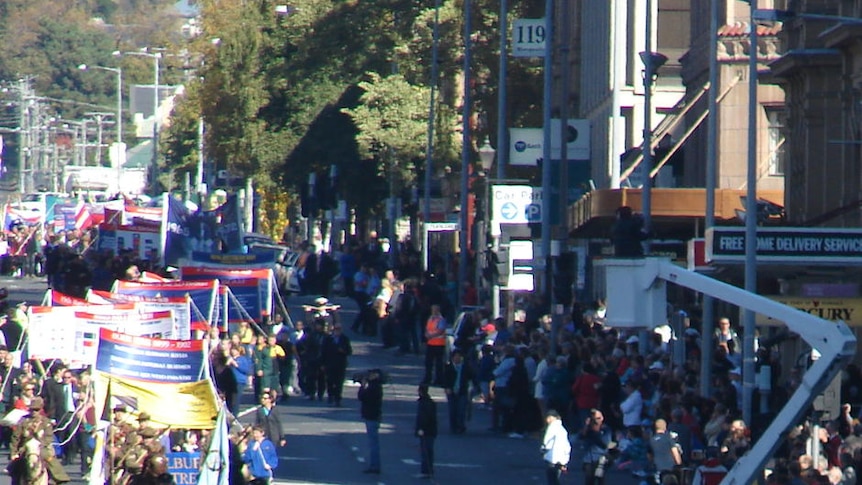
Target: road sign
{"points": [[528, 38], [509, 211], [534, 212], [515, 204], [441, 226]]}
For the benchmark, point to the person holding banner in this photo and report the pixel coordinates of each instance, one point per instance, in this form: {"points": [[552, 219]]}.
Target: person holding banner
{"points": [[261, 458]]}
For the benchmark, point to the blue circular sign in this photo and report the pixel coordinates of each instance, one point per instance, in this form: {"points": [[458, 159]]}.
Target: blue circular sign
{"points": [[520, 146], [509, 211]]}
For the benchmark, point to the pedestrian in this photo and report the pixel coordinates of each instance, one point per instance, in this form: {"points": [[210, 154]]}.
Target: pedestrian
{"points": [[336, 349], [595, 438], [435, 346], [666, 452], [426, 430], [456, 382], [267, 419], [556, 448], [371, 409], [260, 456]]}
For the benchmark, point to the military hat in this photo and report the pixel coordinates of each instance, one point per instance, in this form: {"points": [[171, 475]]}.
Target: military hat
{"points": [[143, 416], [37, 404], [148, 432]]}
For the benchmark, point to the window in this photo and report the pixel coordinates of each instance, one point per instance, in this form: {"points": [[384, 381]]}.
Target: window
{"points": [[776, 118]]}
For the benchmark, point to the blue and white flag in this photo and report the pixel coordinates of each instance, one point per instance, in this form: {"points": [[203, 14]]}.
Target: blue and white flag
{"points": [[215, 467]]}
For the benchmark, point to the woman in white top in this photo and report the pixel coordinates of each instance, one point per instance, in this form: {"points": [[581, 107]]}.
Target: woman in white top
{"points": [[538, 387], [555, 447], [632, 405]]}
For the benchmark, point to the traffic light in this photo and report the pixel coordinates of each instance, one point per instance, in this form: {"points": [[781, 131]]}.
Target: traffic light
{"points": [[308, 196], [564, 278], [501, 264]]}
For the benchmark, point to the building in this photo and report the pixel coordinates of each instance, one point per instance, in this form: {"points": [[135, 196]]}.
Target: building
{"points": [[821, 74], [612, 36]]}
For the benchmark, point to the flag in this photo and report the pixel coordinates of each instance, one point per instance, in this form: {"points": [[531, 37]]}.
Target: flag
{"points": [[229, 229], [83, 217], [215, 467], [13, 215], [175, 231]]}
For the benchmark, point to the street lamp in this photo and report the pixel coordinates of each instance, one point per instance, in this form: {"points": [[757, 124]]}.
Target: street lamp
{"points": [[652, 62], [120, 148], [119, 72], [155, 56], [486, 157]]}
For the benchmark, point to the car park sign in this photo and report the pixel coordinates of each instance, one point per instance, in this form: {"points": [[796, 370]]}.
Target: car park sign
{"points": [[516, 204]]}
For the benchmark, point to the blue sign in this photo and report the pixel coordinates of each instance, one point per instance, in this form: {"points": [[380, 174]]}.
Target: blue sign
{"points": [[534, 213], [147, 359], [184, 467], [509, 211]]}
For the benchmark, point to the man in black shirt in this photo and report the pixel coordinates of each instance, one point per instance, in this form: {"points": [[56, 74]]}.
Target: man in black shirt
{"points": [[371, 409]]}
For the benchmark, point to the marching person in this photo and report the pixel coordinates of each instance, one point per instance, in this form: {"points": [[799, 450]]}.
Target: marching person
{"points": [[261, 457], [267, 419], [426, 430], [37, 426], [556, 448], [336, 349], [371, 409]]}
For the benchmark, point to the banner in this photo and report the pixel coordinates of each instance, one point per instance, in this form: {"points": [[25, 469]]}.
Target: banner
{"points": [[179, 305], [62, 299], [70, 215], [251, 287], [142, 240], [184, 466], [71, 333], [255, 258], [150, 359], [190, 405], [203, 295]]}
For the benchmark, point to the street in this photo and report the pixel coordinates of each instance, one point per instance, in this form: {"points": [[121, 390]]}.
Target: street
{"points": [[327, 445]]}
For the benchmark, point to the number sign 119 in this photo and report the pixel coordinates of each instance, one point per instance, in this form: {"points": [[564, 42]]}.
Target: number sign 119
{"points": [[528, 38]]}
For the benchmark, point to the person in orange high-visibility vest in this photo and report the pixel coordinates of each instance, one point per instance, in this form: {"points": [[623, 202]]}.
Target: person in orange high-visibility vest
{"points": [[435, 346]]}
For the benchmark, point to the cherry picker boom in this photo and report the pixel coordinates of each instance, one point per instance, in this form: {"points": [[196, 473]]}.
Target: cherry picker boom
{"points": [[636, 297]]}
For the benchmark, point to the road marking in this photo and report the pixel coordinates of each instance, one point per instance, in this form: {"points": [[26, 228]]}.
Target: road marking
{"points": [[410, 461]]}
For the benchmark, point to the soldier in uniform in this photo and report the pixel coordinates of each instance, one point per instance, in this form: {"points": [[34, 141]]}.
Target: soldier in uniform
{"points": [[143, 445], [37, 425]]}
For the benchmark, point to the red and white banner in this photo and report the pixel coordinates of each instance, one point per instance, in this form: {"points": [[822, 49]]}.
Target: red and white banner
{"points": [[71, 333]]}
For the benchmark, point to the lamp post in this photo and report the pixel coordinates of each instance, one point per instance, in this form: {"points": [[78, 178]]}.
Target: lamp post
{"points": [[155, 56], [652, 62], [750, 274], [120, 149], [465, 152], [486, 156]]}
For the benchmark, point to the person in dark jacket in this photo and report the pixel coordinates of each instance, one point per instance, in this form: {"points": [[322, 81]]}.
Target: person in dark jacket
{"points": [[426, 430], [371, 409], [456, 381], [336, 349], [268, 419]]}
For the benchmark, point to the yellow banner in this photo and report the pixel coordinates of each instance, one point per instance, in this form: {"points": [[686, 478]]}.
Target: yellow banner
{"points": [[848, 310], [188, 405]]}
